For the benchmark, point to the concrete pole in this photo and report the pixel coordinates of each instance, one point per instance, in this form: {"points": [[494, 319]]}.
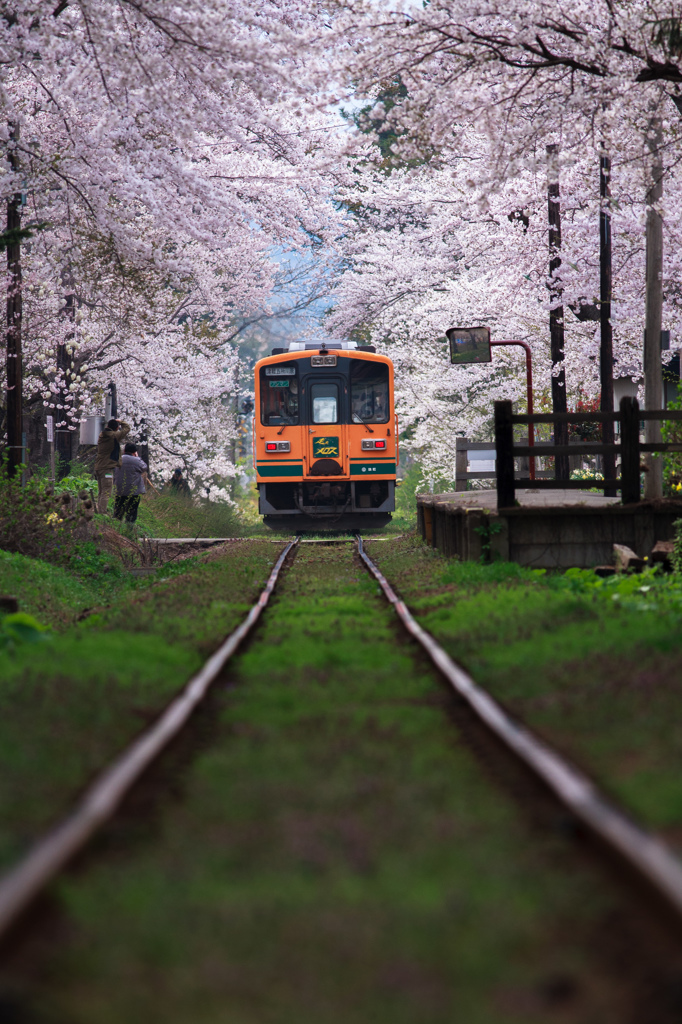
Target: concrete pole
{"points": [[15, 425], [63, 436], [653, 371], [556, 313], [606, 332]]}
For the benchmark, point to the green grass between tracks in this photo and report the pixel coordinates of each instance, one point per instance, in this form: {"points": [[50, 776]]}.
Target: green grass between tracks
{"points": [[338, 855], [595, 665], [69, 702]]}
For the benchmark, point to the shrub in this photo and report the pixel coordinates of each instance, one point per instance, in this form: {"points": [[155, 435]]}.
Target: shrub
{"points": [[677, 550], [36, 522]]}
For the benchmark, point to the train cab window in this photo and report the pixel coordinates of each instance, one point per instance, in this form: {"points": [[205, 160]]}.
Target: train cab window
{"points": [[325, 403], [369, 391], [278, 395]]}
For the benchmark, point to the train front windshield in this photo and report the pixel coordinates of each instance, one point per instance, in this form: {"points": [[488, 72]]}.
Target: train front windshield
{"points": [[279, 395], [369, 391]]}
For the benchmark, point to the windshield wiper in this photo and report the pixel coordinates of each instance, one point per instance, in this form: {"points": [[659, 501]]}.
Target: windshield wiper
{"points": [[358, 419]]}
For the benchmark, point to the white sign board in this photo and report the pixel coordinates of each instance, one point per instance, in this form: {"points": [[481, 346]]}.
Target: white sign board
{"points": [[90, 429], [50, 429]]}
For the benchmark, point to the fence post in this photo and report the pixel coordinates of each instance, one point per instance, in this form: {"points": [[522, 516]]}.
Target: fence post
{"points": [[504, 450], [461, 463], [629, 450]]}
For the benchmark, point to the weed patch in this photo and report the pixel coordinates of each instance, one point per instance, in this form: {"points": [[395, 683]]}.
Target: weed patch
{"points": [[167, 516]]}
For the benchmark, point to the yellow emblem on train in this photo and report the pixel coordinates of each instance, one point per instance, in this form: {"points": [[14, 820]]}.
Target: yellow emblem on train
{"points": [[327, 447]]}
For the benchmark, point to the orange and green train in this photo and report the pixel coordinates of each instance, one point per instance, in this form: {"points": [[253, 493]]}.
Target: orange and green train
{"points": [[325, 441]]}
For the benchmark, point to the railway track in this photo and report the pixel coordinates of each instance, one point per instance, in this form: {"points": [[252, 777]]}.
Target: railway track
{"points": [[647, 856], [644, 854], [22, 884]]}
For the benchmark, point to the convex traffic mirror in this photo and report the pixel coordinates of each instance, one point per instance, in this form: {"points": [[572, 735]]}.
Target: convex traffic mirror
{"points": [[469, 344]]}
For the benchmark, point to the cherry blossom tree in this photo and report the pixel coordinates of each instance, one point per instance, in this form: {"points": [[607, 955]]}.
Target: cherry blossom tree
{"points": [[166, 153], [453, 221]]}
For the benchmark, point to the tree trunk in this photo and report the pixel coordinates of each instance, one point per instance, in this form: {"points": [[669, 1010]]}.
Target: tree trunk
{"points": [[653, 370], [14, 313], [556, 313], [606, 332]]}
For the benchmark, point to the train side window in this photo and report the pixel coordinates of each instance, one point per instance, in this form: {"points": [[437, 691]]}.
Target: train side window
{"points": [[369, 391], [325, 402], [278, 399]]}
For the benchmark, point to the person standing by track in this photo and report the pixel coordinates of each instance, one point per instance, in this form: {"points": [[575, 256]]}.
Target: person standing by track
{"points": [[108, 459], [129, 480]]}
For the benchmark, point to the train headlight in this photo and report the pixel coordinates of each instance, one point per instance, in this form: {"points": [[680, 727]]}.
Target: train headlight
{"points": [[369, 445], [379, 444], [278, 446]]}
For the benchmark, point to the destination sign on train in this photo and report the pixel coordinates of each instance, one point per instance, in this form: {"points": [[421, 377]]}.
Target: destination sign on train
{"points": [[280, 371], [469, 344], [323, 360]]}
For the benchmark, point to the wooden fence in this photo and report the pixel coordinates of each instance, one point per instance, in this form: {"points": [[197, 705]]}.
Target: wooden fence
{"points": [[630, 449]]}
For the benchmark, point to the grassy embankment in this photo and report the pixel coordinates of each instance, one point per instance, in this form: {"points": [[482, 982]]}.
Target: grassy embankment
{"points": [[165, 516], [117, 649], [337, 856], [595, 665]]}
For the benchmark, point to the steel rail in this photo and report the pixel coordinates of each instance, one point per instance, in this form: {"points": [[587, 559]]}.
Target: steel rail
{"points": [[647, 855], [49, 856]]}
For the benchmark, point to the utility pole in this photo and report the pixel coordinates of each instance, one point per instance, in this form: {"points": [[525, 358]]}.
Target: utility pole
{"points": [[15, 423], [556, 312], [606, 331], [653, 371], [62, 433]]}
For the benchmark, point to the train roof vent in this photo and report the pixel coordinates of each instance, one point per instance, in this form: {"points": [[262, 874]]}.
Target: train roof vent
{"points": [[277, 351]]}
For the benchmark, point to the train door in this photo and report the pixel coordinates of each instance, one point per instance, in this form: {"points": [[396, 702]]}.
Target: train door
{"points": [[326, 443]]}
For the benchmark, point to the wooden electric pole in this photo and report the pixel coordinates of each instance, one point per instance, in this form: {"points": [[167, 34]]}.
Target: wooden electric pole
{"points": [[15, 425], [606, 331], [556, 312], [653, 371]]}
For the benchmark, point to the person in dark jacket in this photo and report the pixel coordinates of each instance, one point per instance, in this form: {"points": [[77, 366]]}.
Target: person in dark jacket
{"points": [[129, 481], [108, 459], [178, 486]]}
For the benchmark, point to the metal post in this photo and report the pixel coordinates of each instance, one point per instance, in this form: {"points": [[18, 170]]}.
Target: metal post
{"points": [[556, 312], [529, 396], [653, 370], [504, 451], [629, 450], [15, 424], [606, 332], [461, 463], [50, 438]]}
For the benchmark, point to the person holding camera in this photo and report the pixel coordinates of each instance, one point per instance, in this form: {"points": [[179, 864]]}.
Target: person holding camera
{"points": [[129, 479], [108, 459]]}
